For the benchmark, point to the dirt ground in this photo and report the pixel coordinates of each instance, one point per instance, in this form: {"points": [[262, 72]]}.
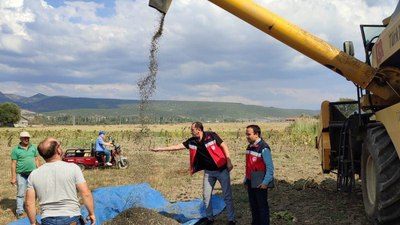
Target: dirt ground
{"points": [[302, 195]]}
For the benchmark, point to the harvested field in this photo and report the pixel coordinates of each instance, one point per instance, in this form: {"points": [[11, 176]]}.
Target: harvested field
{"points": [[303, 194]]}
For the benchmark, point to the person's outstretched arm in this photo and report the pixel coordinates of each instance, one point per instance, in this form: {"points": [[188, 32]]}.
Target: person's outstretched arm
{"points": [[169, 148]]}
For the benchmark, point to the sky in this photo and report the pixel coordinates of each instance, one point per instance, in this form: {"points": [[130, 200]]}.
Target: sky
{"points": [[100, 49]]}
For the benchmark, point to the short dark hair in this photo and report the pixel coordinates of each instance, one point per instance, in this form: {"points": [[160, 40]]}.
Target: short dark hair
{"points": [[256, 129], [198, 125], [47, 151]]}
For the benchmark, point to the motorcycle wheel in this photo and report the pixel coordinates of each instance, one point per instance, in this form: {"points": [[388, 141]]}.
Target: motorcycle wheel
{"points": [[123, 164]]}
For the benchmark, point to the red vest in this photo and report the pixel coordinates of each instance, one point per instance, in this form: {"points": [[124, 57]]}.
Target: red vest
{"points": [[215, 151], [254, 160]]}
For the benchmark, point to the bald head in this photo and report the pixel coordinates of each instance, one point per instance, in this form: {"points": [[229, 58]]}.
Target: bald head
{"points": [[48, 148]]}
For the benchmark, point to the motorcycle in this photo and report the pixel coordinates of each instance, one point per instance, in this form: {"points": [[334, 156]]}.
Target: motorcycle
{"points": [[117, 160], [90, 158]]}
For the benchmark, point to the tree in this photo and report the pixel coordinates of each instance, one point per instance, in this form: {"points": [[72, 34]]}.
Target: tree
{"points": [[9, 113]]}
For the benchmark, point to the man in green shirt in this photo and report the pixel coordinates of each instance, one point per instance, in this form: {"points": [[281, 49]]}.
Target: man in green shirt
{"points": [[23, 160]]}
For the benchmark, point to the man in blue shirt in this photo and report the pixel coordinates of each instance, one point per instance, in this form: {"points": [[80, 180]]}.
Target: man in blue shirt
{"points": [[101, 147], [258, 159]]}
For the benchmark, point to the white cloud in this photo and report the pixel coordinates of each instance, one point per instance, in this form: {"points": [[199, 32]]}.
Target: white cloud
{"points": [[208, 90], [196, 67], [71, 50], [124, 91], [11, 44], [13, 20], [97, 90], [309, 96], [301, 62]]}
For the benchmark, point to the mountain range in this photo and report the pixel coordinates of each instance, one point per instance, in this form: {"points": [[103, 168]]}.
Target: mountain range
{"points": [[82, 106]]}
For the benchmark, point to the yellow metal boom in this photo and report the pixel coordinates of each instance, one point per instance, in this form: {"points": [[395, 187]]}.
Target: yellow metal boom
{"points": [[315, 48]]}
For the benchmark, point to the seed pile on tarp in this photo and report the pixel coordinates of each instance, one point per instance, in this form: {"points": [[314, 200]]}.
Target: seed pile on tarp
{"points": [[141, 216]]}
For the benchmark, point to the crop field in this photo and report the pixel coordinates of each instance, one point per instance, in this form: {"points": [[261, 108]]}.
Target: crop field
{"points": [[303, 194]]}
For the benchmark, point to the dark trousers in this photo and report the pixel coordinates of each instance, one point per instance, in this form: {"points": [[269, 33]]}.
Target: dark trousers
{"points": [[258, 199]]}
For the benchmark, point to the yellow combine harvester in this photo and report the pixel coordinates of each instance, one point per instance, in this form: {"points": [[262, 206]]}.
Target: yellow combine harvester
{"points": [[365, 141]]}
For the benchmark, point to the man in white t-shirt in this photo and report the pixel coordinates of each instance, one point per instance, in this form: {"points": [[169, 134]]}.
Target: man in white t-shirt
{"points": [[56, 184]]}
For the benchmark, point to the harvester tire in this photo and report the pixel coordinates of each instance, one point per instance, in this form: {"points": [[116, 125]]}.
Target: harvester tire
{"points": [[380, 173]]}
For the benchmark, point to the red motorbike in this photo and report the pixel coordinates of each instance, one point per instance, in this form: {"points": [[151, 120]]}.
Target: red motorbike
{"points": [[90, 158]]}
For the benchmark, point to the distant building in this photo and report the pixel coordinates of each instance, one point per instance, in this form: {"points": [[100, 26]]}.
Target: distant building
{"points": [[29, 115], [291, 119], [26, 116], [23, 122]]}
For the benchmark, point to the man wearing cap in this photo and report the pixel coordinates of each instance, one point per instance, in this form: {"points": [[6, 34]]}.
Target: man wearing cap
{"points": [[23, 161], [101, 147]]}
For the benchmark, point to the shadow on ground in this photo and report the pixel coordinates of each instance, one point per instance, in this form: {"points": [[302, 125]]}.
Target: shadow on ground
{"points": [[7, 203], [304, 202]]}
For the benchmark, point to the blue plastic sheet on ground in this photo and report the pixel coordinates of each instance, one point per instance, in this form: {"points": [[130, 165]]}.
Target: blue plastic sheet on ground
{"points": [[110, 201]]}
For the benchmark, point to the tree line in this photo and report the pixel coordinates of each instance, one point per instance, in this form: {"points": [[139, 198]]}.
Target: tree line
{"points": [[104, 120]]}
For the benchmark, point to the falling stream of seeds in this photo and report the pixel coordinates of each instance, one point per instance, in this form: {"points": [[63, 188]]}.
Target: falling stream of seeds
{"points": [[147, 84]]}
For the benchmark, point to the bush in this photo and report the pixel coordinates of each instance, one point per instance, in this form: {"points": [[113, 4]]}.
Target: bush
{"points": [[302, 131]]}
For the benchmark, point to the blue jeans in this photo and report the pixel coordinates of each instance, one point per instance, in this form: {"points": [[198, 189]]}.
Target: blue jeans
{"points": [[209, 180], [258, 199], [22, 183], [60, 220], [107, 153]]}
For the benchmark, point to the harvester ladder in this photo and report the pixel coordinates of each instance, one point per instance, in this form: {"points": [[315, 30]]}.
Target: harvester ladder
{"points": [[345, 175]]}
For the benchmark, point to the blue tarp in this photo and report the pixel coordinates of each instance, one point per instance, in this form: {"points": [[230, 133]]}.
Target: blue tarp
{"points": [[110, 201]]}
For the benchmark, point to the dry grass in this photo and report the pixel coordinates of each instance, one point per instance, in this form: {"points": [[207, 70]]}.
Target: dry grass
{"points": [[303, 194]]}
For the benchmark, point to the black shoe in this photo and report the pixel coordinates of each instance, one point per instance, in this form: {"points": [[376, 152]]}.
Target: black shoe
{"points": [[231, 223], [204, 221]]}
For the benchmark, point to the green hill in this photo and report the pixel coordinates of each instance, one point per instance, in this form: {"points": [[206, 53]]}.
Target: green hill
{"points": [[63, 109], [182, 111]]}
